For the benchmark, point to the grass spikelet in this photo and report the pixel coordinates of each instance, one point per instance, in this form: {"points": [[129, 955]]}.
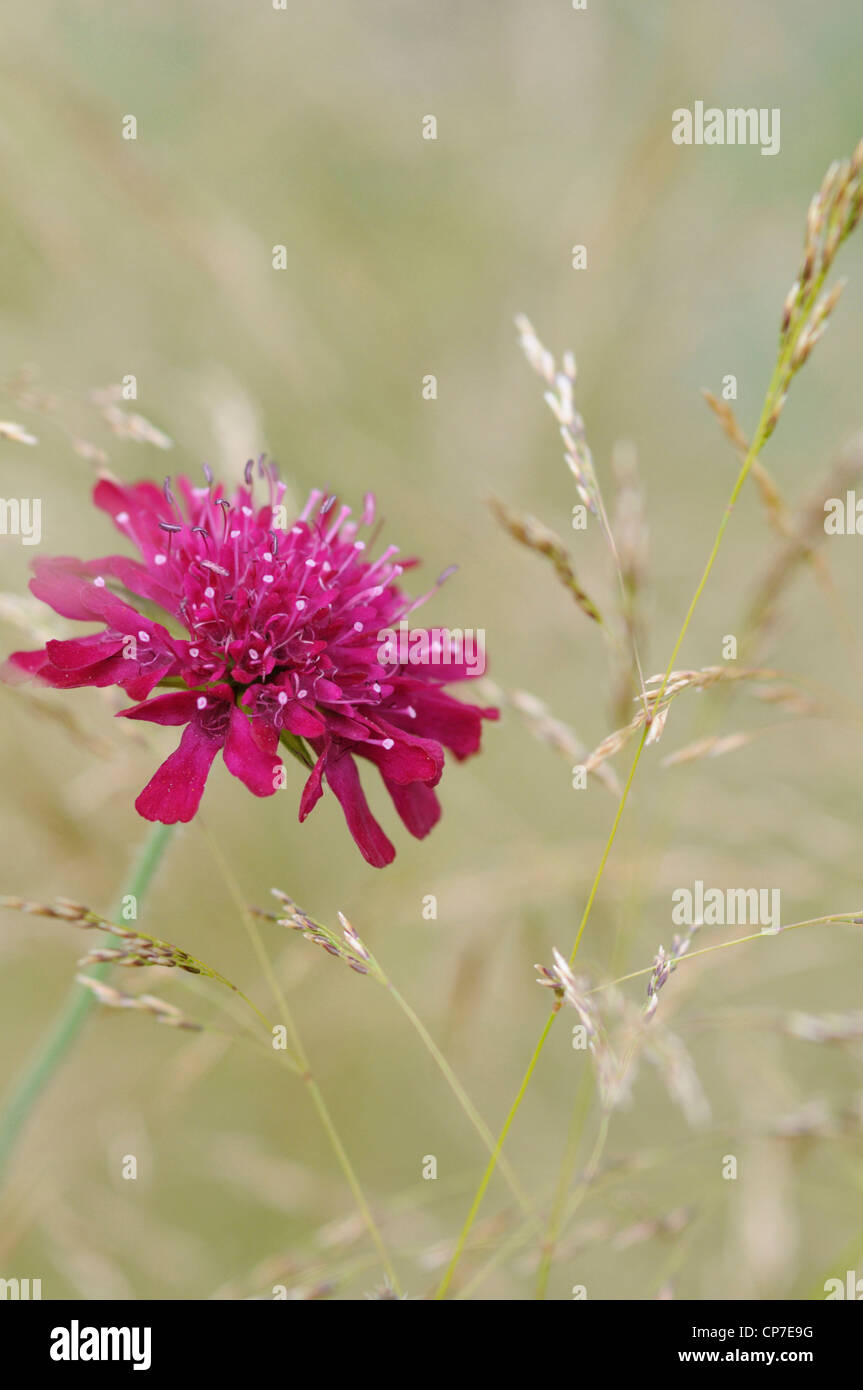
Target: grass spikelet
{"points": [[16, 434], [348, 947], [543, 725], [632, 544], [144, 1003], [560, 383], [659, 702], [731, 428], [536, 536], [136, 949], [802, 531], [711, 747]]}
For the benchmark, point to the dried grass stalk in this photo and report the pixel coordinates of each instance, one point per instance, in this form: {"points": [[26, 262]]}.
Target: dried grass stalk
{"points": [[536, 536]]}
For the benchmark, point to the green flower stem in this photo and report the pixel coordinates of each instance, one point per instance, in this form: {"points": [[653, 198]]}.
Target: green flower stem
{"points": [[74, 1014]]}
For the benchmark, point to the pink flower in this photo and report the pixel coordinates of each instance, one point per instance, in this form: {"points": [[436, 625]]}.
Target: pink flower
{"points": [[270, 636]]}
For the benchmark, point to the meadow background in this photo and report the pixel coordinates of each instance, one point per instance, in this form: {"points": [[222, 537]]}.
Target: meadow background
{"points": [[408, 257]]}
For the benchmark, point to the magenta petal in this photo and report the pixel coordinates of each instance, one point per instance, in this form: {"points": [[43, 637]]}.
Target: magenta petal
{"points": [[174, 792], [303, 722], [78, 652], [67, 587], [342, 775], [247, 759], [144, 504], [410, 759], [140, 580], [179, 707], [341, 726], [313, 790], [143, 499], [69, 674], [21, 666], [417, 805], [449, 673], [455, 725], [58, 583], [327, 690], [140, 684]]}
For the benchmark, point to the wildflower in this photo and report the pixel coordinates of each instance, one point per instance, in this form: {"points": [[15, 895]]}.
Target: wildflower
{"points": [[269, 637]]}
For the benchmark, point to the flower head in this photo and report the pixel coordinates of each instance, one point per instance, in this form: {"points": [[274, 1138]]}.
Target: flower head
{"points": [[268, 635]]}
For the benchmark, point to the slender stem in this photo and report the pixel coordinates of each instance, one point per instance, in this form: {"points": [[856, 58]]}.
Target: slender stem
{"points": [[492, 1163], [848, 918], [76, 1009], [307, 1075], [458, 1090], [520, 1237]]}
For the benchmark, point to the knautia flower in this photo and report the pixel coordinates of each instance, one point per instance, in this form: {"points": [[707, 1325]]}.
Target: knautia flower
{"points": [[269, 635]]}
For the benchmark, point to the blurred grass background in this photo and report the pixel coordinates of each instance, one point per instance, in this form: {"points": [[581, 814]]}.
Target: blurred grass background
{"points": [[407, 257]]}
